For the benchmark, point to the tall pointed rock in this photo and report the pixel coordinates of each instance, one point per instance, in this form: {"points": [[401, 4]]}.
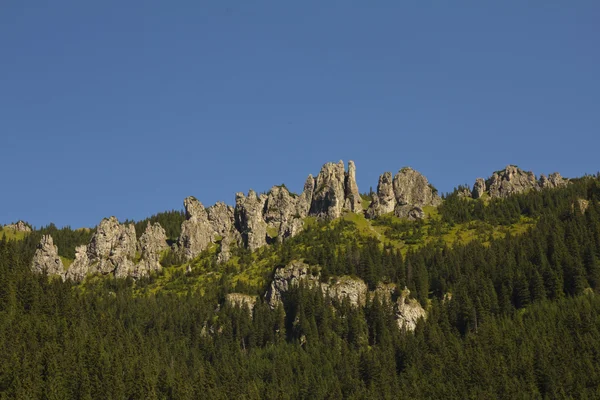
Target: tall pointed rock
{"points": [[353, 200]]}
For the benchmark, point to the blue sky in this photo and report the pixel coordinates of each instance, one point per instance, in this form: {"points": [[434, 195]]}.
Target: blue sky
{"points": [[125, 108]]}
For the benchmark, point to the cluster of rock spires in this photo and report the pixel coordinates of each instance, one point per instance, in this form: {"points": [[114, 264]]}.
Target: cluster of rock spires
{"points": [[113, 249], [257, 219], [512, 180]]}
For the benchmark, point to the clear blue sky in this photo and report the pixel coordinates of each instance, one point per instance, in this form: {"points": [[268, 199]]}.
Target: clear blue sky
{"points": [[126, 107]]}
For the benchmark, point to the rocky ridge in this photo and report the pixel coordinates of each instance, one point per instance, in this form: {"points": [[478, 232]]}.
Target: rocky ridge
{"points": [[408, 311], [512, 180], [19, 226], [278, 215]]}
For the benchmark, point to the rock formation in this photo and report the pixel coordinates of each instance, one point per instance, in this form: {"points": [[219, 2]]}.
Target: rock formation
{"points": [[249, 219], [353, 200], [303, 203], [19, 226], [112, 248], [513, 180], [221, 219], [79, 268], [281, 212], [408, 311], [509, 181], [412, 188], [385, 199], [479, 188], [329, 193], [196, 231], [152, 243], [46, 258], [290, 276], [406, 195], [553, 180], [353, 289]]}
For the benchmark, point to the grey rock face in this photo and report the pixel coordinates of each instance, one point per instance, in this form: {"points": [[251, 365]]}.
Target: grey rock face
{"points": [[405, 195], [355, 290], [412, 213], [19, 226], [221, 218], [297, 272], [287, 277], [280, 206], [249, 219], [305, 199], [385, 199], [353, 200], [408, 311], [510, 180], [196, 231], [553, 180], [152, 243], [411, 187], [479, 188], [46, 258], [290, 229], [112, 248], [80, 266], [329, 194], [282, 212]]}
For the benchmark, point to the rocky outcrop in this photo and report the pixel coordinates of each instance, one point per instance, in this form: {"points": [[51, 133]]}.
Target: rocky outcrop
{"points": [[221, 219], [345, 287], [287, 277], [553, 180], [412, 213], [281, 212], [408, 311], [406, 195], [152, 244], [80, 266], [385, 199], [305, 199], [353, 200], [249, 219], [513, 180], [412, 188], [329, 193], [19, 226], [297, 272], [112, 248], [509, 181], [196, 231], [46, 258], [479, 188]]}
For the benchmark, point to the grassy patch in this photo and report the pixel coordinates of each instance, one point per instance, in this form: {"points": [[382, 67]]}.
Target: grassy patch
{"points": [[11, 234]]}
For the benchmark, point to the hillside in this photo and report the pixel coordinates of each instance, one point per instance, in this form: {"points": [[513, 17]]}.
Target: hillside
{"points": [[327, 294]]}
